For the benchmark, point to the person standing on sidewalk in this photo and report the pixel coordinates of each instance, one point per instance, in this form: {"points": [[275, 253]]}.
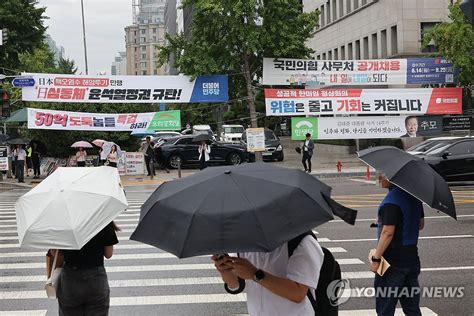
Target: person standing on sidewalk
{"points": [[81, 155], [20, 157], [400, 218], [148, 152], [307, 149], [112, 157], [35, 159]]}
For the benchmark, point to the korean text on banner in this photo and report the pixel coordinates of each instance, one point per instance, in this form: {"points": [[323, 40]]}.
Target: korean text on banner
{"points": [[301, 72], [3, 158], [293, 102], [125, 89], [79, 121], [375, 127]]}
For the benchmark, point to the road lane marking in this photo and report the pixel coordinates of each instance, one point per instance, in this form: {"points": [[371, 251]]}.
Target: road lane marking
{"points": [[40, 312]]}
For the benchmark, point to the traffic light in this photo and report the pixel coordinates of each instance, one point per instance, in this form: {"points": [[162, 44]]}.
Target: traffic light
{"points": [[4, 103]]}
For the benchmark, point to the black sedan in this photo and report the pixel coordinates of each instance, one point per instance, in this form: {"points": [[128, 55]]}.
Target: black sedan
{"points": [[182, 150], [273, 147], [454, 162]]}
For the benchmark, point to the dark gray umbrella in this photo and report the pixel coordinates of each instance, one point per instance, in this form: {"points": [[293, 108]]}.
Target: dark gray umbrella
{"points": [[202, 137], [413, 175], [18, 141], [250, 207]]}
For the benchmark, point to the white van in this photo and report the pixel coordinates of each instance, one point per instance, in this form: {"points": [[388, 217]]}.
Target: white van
{"points": [[203, 129], [232, 133]]}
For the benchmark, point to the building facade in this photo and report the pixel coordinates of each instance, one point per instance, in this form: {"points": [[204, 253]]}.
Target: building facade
{"points": [[119, 66], [171, 24], [371, 29], [142, 39], [58, 51]]}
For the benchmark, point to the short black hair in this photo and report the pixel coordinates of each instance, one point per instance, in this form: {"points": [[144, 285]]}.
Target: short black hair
{"points": [[308, 135], [409, 118]]}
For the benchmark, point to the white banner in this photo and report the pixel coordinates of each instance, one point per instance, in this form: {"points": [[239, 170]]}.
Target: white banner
{"points": [[124, 89], [134, 163], [255, 139], [311, 72], [292, 102]]}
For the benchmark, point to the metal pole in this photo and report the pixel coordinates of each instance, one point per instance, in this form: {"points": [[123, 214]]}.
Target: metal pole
{"points": [[84, 36]]}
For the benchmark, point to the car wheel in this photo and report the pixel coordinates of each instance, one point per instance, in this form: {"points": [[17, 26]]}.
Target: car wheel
{"points": [[234, 159], [280, 158], [174, 161]]}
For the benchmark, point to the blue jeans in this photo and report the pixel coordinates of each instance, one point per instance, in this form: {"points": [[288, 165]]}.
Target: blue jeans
{"points": [[398, 283]]}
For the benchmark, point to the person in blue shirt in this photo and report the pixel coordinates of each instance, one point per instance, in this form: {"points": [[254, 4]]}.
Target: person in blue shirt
{"points": [[400, 218]]}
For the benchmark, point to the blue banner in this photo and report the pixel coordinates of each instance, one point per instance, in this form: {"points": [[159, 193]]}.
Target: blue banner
{"points": [[430, 71], [214, 88]]}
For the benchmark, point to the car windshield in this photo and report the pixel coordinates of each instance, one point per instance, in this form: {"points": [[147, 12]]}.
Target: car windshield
{"points": [[234, 130], [424, 146]]}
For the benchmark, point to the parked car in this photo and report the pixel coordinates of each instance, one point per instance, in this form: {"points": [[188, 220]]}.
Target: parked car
{"points": [[454, 161], [183, 150], [165, 135], [273, 147], [232, 133], [429, 144]]}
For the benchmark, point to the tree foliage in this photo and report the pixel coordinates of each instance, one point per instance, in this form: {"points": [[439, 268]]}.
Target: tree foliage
{"points": [[232, 37], [23, 20], [455, 41]]}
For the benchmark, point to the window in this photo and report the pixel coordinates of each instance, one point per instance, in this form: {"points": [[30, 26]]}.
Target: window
{"points": [[394, 40], [134, 33], [350, 51], [144, 72], [322, 17], [143, 56], [383, 39], [155, 71], [357, 49], [356, 4], [334, 10], [364, 2], [154, 30], [336, 54], [318, 57], [349, 6], [142, 39], [135, 48], [143, 48], [374, 46], [330, 55], [154, 39], [340, 6], [324, 56], [343, 52], [425, 27], [143, 64], [328, 12], [462, 148], [366, 47]]}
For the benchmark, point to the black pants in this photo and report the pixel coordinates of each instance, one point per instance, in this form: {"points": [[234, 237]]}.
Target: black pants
{"points": [[20, 170], [36, 166], [306, 158], [81, 163], [83, 292], [149, 166], [203, 162]]}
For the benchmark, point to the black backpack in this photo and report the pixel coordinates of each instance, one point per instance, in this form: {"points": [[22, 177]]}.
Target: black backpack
{"points": [[330, 271]]}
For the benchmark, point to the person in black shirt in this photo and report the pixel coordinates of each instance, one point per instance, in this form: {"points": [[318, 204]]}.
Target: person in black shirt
{"points": [[400, 218], [83, 288]]}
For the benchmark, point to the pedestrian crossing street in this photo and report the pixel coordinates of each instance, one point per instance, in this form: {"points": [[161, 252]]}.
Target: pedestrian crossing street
{"points": [[143, 280]]}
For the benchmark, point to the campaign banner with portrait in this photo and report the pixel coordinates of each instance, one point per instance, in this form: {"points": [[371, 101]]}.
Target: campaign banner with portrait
{"points": [[107, 122], [311, 72], [125, 89], [365, 127], [314, 102]]}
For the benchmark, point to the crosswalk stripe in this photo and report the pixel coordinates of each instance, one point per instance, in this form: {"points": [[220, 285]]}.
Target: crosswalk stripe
{"points": [[374, 239], [156, 267], [41, 312], [371, 312]]}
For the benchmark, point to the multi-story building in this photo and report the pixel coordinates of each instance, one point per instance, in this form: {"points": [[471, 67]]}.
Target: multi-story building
{"points": [[119, 66], [58, 51], [170, 18], [144, 38], [365, 29]]}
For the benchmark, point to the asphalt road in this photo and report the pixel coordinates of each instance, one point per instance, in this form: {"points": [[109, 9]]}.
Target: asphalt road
{"points": [[147, 281]]}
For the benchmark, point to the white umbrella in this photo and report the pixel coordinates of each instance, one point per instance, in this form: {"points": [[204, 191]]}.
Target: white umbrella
{"points": [[82, 143], [107, 147], [69, 207]]}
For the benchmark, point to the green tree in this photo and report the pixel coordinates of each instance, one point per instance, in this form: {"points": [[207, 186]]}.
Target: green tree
{"points": [[233, 36], [66, 66], [24, 21], [455, 41]]}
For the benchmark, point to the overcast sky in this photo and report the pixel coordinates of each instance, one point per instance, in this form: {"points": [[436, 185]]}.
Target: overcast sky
{"points": [[105, 22]]}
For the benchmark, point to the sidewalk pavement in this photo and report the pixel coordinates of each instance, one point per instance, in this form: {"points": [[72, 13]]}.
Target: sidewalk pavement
{"points": [[319, 170]]}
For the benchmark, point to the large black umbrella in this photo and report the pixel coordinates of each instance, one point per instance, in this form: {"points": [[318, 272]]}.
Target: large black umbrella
{"points": [[3, 138], [411, 174], [250, 207]]}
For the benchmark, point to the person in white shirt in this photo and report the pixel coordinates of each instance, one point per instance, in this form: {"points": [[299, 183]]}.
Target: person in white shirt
{"points": [[204, 151], [276, 284], [112, 157], [81, 157], [20, 155], [102, 157]]}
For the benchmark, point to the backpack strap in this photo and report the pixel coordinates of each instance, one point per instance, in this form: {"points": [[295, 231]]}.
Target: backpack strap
{"points": [[292, 245]]}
